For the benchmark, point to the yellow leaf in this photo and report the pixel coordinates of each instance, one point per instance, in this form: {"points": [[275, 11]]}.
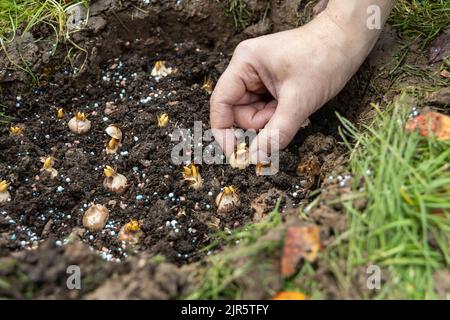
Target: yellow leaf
{"points": [[289, 295]]}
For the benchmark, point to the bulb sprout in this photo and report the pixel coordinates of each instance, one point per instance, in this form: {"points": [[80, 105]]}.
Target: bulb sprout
{"points": [[208, 85], [112, 146], [131, 232], [160, 69], [48, 163], [15, 131], [60, 113], [5, 196], [192, 176]]}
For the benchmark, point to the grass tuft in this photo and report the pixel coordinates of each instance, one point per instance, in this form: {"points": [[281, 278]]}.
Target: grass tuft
{"points": [[405, 228], [17, 17], [242, 15], [24, 15]]}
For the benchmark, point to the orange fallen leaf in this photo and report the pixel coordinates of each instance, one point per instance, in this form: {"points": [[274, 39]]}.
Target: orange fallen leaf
{"points": [[300, 242], [430, 124], [289, 295]]}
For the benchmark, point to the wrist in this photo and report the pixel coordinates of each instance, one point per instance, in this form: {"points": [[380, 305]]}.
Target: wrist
{"points": [[357, 24]]}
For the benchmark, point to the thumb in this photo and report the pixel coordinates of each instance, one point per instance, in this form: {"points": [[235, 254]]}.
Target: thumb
{"points": [[281, 128]]}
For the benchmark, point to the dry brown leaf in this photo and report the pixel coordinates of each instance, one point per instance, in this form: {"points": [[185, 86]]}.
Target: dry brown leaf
{"points": [[431, 124], [309, 170], [300, 242], [264, 202]]}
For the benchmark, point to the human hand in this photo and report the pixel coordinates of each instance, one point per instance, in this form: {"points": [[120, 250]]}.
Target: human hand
{"points": [[275, 82]]}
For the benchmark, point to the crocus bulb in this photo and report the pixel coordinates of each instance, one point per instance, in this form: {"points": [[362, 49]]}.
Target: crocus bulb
{"points": [[241, 157], [95, 217], [227, 200], [15, 131], [192, 176], [79, 124], [4, 193], [60, 113], [114, 132], [130, 232], [208, 85], [49, 162], [160, 69], [114, 181], [163, 120]]}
